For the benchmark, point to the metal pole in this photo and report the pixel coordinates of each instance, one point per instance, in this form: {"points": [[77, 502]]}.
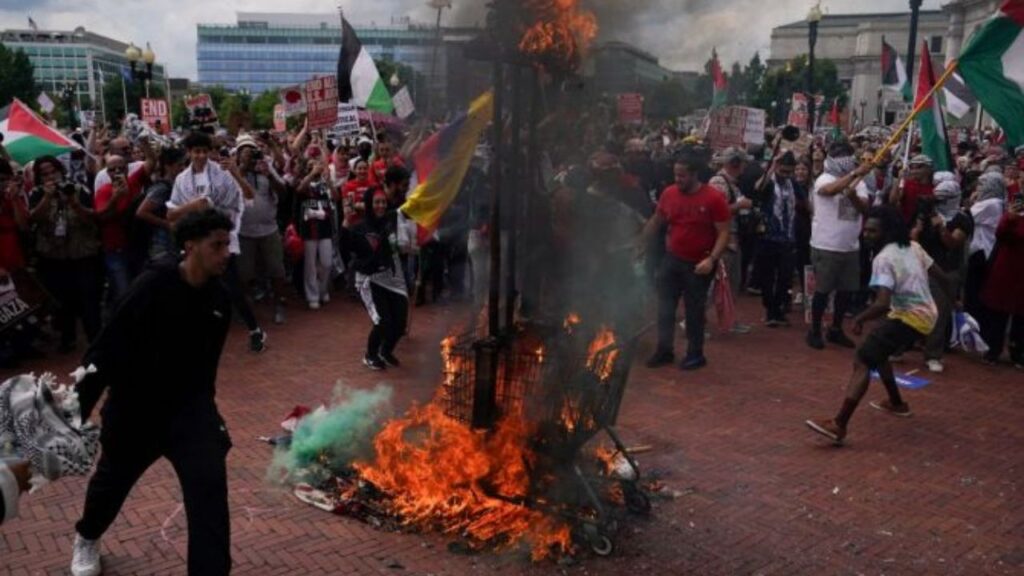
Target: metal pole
{"points": [[811, 103], [494, 301], [124, 95], [103, 100], [915, 10], [511, 292], [531, 275]]}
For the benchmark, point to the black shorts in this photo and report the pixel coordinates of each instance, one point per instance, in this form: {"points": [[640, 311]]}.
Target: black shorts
{"points": [[891, 337]]}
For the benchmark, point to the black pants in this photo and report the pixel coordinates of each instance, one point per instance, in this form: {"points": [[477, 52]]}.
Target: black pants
{"points": [[774, 266], [393, 313], [993, 332], [433, 257], [77, 286], [239, 299], [748, 253], [677, 278], [198, 454]]}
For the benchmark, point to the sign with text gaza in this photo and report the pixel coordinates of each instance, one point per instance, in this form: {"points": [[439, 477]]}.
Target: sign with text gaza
{"points": [[322, 102], [156, 114]]}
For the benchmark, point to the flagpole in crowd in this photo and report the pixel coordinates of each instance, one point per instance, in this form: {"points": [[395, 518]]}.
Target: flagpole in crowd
{"points": [[124, 95], [917, 110]]}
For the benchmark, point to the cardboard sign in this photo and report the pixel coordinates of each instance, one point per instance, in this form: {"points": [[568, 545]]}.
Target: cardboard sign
{"points": [[20, 296], [404, 106], [348, 120], [45, 103], [201, 111], [631, 108], [322, 102], [293, 100], [735, 126], [798, 109], [87, 118], [280, 119], [157, 114]]}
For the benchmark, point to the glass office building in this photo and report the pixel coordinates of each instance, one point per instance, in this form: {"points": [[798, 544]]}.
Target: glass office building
{"points": [[80, 57], [268, 51]]}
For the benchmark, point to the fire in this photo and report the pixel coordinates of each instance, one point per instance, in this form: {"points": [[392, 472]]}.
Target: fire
{"points": [[563, 30], [601, 359], [571, 321], [439, 474]]}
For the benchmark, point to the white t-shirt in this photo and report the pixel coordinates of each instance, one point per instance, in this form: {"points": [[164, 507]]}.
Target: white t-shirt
{"points": [[103, 178], [904, 271], [986, 214], [836, 223]]}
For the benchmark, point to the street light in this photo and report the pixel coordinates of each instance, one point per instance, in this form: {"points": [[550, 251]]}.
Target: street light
{"points": [[813, 19], [135, 56], [863, 105]]}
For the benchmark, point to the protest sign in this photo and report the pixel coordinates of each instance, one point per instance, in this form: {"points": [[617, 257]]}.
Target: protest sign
{"points": [[735, 126], [631, 108], [798, 109], [45, 103], [404, 106], [348, 120], [156, 114], [201, 111], [280, 119], [87, 119], [20, 296], [322, 102], [293, 100]]}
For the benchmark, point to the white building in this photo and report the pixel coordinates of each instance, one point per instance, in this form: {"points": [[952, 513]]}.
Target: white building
{"points": [[854, 43]]}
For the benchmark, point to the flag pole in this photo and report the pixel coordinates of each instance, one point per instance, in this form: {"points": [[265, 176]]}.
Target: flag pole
{"points": [[917, 110], [124, 96]]}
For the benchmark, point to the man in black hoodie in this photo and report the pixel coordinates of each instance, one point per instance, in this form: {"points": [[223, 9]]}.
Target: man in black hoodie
{"points": [[158, 356]]}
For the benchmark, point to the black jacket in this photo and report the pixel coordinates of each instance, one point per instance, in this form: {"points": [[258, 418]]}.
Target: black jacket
{"points": [[160, 352], [371, 243]]}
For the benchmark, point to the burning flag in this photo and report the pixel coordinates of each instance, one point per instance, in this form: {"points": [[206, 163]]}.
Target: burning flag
{"points": [[441, 164], [359, 80], [720, 85], [27, 137]]}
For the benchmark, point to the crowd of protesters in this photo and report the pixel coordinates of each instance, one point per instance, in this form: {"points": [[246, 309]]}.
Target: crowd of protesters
{"points": [[317, 217]]}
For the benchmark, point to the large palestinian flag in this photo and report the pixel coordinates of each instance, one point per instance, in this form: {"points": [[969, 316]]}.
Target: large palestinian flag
{"points": [[359, 82], [992, 65], [720, 86], [894, 73], [27, 137], [934, 141]]}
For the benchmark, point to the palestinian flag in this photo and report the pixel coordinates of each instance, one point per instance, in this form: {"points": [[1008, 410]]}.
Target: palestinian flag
{"points": [[959, 99], [894, 72], [992, 65], [934, 141], [835, 118], [720, 86], [27, 137], [359, 81], [441, 164]]}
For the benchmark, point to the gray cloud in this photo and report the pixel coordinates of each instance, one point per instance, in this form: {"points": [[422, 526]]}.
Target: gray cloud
{"points": [[680, 32]]}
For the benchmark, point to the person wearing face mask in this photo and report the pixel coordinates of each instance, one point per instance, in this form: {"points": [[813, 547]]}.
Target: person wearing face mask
{"points": [[381, 282], [943, 230], [1003, 294], [67, 243], [776, 248]]}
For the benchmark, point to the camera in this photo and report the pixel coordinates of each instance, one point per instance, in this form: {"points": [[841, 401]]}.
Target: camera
{"points": [[926, 208], [257, 155], [68, 189]]}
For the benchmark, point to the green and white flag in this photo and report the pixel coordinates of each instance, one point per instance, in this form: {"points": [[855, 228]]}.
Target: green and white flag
{"points": [[992, 65], [934, 141], [359, 82], [27, 137]]}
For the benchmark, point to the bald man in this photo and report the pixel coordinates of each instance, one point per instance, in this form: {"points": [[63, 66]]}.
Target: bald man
{"points": [[119, 146]]}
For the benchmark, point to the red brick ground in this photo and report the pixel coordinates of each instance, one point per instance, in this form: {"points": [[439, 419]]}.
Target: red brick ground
{"points": [[939, 493]]}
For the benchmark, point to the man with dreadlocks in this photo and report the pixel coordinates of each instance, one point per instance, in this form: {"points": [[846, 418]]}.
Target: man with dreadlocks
{"points": [[899, 275]]}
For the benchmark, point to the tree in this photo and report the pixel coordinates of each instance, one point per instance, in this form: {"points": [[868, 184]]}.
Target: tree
{"points": [[16, 77], [262, 110], [780, 84], [117, 91], [668, 100]]}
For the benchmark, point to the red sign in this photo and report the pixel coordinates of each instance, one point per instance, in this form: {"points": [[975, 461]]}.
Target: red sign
{"points": [[631, 108], [280, 121], [157, 114], [322, 102]]}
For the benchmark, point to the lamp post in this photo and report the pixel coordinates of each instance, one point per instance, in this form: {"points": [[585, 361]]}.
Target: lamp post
{"points": [[438, 5], [863, 105], [813, 18], [775, 113], [915, 10], [147, 57]]}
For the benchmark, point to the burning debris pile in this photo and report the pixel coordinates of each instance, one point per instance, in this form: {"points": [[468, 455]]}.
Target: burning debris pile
{"points": [[518, 483], [561, 31]]}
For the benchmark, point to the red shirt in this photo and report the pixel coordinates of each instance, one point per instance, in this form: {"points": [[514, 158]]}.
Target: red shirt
{"points": [[912, 190], [114, 231], [691, 221], [11, 256], [354, 192], [380, 167]]}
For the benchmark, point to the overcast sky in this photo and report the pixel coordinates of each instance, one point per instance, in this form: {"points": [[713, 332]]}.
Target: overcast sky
{"points": [[680, 32]]}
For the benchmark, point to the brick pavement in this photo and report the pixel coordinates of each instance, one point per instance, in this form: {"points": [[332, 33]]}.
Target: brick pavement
{"points": [[936, 494]]}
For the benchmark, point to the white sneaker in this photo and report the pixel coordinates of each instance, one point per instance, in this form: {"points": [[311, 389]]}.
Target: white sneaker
{"points": [[85, 560], [325, 299], [935, 366], [314, 305]]}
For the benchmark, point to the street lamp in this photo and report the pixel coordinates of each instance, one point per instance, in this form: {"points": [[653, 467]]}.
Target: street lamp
{"points": [[863, 105], [394, 80], [813, 18], [438, 5], [135, 56]]}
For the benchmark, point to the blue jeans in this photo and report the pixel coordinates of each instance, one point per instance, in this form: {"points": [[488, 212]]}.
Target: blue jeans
{"points": [[119, 274]]}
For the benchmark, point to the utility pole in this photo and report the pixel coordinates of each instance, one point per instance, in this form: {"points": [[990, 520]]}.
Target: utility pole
{"points": [[438, 5], [915, 12]]}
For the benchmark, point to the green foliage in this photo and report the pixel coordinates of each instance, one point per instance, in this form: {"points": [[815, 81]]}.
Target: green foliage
{"points": [[262, 110], [114, 97], [669, 100], [16, 77], [779, 85]]}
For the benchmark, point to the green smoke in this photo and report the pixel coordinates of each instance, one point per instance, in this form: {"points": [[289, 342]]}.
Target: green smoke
{"points": [[328, 440]]}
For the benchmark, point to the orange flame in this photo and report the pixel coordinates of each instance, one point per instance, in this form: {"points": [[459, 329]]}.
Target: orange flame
{"points": [[442, 475], [571, 321], [563, 30], [601, 359]]}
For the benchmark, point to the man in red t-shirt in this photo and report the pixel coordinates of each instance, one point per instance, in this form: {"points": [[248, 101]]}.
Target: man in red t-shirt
{"points": [[697, 217], [918, 184], [114, 202]]}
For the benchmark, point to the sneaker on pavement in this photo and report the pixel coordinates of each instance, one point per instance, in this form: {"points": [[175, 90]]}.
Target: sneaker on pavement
{"points": [[660, 359], [85, 558], [374, 363], [279, 316], [814, 340], [390, 360], [837, 337], [935, 366], [738, 328], [693, 363], [896, 410], [771, 322], [828, 429], [314, 305], [325, 299], [257, 341]]}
